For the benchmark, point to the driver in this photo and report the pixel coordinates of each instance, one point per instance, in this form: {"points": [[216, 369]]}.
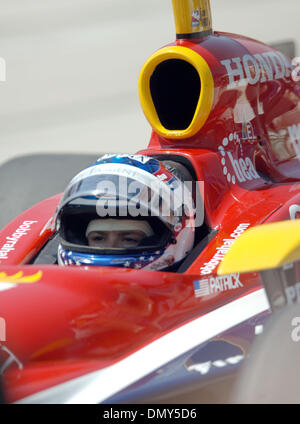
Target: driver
{"points": [[126, 233], [126, 211]]}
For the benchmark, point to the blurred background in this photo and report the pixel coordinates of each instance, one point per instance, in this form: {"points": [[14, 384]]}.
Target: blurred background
{"points": [[72, 67]]}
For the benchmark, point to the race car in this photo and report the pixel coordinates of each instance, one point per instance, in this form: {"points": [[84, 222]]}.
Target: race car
{"points": [[225, 108]]}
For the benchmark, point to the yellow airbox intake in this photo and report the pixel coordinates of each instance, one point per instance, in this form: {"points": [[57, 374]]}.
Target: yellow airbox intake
{"points": [[176, 90]]}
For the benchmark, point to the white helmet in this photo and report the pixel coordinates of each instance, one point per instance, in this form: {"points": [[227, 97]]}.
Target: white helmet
{"points": [[123, 193]]}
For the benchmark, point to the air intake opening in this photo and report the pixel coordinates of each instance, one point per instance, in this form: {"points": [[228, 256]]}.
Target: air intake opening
{"points": [[175, 89]]}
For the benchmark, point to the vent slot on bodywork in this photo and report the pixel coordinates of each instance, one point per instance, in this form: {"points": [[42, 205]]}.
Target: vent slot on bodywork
{"points": [[175, 89]]}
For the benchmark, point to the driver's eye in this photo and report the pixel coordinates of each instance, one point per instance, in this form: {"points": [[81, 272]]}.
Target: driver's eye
{"points": [[130, 241], [98, 238]]}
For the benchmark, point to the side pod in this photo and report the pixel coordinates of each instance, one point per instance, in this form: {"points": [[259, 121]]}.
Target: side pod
{"points": [[263, 247], [274, 251]]}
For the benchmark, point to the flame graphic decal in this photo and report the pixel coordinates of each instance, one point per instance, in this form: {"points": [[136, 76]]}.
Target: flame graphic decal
{"points": [[19, 278]]}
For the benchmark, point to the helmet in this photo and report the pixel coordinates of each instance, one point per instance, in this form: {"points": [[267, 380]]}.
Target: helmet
{"points": [[125, 211]]}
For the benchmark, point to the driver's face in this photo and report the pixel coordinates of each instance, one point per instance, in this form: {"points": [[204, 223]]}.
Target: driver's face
{"points": [[115, 239]]}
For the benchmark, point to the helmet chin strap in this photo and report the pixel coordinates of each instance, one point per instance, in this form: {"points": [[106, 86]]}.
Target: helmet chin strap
{"points": [[119, 225]]}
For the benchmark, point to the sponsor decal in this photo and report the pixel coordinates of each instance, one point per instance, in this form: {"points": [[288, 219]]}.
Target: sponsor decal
{"points": [[209, 266], [8, 282], [204, 18], [263, 67], [20, 278], [215, 354], [294, 211], [247, 131], [12, 240], [205, 367], [214, 285], [294, 132], [242, 168], [195, 18]]}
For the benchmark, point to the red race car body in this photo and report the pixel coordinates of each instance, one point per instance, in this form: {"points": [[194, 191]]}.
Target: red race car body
{"points": [[85, 334]]}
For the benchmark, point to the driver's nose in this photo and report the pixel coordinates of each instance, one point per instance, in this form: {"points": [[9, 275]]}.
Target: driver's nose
{"points": [[112, 240]]}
